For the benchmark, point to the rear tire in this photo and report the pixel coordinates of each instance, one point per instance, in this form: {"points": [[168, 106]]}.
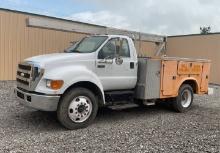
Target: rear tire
{"points": [[77, 108], [184, 100]]}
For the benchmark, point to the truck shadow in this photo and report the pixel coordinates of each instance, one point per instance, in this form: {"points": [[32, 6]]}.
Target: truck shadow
{"points": [[127, 113], [47, 121], [38, 120]]}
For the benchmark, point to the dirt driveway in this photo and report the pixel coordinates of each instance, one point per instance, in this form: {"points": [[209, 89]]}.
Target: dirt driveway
{"points": [[153, 129]]}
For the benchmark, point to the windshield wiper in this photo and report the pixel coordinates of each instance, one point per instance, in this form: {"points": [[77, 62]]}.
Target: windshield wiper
{"points": [[75, 51], [71, 51]]}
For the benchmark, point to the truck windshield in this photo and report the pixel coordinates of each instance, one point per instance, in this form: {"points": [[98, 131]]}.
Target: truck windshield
{"points": [[87, 45]]}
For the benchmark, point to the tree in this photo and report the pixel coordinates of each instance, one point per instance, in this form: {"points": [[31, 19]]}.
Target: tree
{"points": [[205, 30]]}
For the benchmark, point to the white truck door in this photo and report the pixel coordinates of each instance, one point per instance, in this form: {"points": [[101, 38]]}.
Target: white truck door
{"points": [[115, 67]]}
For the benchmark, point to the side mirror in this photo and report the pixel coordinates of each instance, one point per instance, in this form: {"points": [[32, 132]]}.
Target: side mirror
{"points": [[107, 60], [118, 46], [118, 59], [117, 49]]}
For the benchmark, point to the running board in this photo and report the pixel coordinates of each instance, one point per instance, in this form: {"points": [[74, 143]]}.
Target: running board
{"points": [[149, 103], [119, 97]]}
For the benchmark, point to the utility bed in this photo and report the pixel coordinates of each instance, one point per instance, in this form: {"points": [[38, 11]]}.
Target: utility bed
{"points": [[162, 77]]}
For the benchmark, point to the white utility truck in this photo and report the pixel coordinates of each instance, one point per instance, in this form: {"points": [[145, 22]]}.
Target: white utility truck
{"points": [[104, 70]]}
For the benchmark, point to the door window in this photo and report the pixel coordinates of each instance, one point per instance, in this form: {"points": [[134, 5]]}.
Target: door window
{"points": [[113, 47], [109, 50], [125, 51]]}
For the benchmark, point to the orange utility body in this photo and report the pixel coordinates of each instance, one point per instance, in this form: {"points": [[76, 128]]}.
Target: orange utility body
{"points": [[177, 71]]}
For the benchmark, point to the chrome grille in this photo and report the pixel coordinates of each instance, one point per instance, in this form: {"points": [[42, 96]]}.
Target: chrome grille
{"points": [[25, 67], [28, 76], [24, 74]]}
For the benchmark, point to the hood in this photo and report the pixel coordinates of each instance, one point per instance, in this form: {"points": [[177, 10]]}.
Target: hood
{"points": [[59, 57]]}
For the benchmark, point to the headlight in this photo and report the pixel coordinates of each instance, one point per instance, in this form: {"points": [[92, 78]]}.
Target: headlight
{"points": [[54, 84]]}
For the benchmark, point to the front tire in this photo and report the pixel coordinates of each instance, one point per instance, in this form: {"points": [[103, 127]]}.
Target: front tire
{"points": [[184, 100], [77, 108]]}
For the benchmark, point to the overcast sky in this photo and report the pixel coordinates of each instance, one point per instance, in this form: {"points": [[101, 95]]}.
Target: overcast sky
{"points": [[168, 17]]}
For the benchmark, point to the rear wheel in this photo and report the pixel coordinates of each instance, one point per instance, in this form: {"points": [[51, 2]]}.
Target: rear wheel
{"points": [[77, 108], [184, 100]]}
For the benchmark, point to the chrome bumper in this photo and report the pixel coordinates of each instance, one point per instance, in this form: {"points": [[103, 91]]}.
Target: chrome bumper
{"points": [[36, 101]]}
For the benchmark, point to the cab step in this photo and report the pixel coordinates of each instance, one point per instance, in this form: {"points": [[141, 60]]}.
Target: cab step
{"points": [[149, 103], [119, 97]]}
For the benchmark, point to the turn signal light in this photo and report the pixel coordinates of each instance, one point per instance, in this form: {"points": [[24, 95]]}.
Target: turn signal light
{"points": [[55, 84]]}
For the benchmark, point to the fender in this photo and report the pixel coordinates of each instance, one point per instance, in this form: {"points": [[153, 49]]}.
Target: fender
{"points": [[70, 75], [189, 79]]}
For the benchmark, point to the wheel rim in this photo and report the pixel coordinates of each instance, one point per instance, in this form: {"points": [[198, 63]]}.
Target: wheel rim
{"points": [[80, 109], [186, 98]]}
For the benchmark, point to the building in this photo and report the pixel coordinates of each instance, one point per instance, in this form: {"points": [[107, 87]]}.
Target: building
{"points": [[23, 35], [198, 46]]}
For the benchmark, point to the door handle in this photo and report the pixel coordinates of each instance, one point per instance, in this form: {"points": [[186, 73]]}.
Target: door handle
{"points": [[131, 65]]}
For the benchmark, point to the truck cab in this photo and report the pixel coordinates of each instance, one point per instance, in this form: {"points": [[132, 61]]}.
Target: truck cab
{"points": [[102, 70], [116, 62]]}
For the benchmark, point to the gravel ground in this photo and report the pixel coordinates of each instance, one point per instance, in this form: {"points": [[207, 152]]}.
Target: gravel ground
{"points": [[152, 129]]}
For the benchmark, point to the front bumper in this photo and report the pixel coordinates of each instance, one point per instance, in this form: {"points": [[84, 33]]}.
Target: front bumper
{"points": [[37, 101]]}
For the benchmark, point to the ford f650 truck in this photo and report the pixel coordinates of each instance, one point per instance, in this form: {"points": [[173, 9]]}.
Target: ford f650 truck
{"points": [[104, 70]]}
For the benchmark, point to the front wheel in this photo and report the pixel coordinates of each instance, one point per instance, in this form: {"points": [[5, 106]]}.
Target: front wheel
{"points": [[77, 108], [184, 100]]}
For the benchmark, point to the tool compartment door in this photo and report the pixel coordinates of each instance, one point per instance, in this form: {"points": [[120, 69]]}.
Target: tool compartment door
{"points": [[189, 68], [205, 77], [169, 71]]}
